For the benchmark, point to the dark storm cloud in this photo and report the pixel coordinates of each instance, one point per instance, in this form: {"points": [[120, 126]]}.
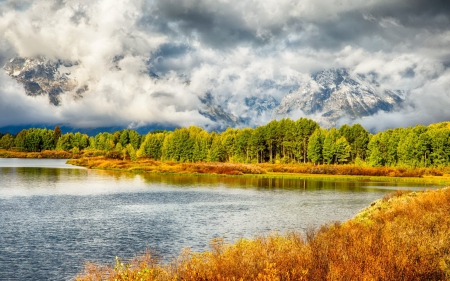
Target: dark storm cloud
{"points": [[214, 23]]}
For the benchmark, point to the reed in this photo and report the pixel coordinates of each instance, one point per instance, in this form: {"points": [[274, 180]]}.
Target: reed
{"points": [[404, 236]]}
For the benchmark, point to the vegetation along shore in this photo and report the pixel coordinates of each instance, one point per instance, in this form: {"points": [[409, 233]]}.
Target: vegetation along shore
{"points": [[404, 236], [281, 147]]}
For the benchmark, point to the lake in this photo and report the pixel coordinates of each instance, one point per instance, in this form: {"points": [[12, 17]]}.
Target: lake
{"points": [[54, 217]]}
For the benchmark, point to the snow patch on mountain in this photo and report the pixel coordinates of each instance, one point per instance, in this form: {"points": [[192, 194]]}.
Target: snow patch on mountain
{"points": [[336, 93], [41, 76]]}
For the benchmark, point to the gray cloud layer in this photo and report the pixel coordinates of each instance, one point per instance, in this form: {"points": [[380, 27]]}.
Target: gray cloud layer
{"points": [[232, 49]]}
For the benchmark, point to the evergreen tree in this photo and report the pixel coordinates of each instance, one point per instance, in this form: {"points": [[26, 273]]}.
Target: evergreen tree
{"points": [[56, 134]]}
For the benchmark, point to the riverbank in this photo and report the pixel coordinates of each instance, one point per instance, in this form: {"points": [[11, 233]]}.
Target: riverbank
{"points": [[51, 154], [289, 171], [404, 236]]}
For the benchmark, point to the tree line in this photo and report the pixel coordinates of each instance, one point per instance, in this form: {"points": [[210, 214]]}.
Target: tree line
{"points": [[279, 141]]}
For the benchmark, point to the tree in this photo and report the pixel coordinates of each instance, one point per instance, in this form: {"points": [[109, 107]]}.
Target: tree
{"points": [[134, 138], [131, 151], [48, 139], [228, 141], [56, 134], [342, 150], [202, 142], [216, 152], [19, 140], [7, 141], [328, 148], [375, 151], [152, 145], [33, 140], [65, 142], [315, 146], [241, 145], [257, 145], [358, 139]]}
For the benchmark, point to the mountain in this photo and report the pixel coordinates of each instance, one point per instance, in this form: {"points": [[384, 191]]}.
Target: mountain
{"points": [[326, 97], [333, 94], [41, 76], [250, 108]]}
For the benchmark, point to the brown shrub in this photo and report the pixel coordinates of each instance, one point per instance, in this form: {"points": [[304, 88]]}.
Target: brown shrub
{"points": [[404, 238]]}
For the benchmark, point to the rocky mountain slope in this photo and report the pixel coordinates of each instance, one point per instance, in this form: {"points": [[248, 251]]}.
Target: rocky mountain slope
{"points": [[328, 96], [333, 94], [41, 76]]}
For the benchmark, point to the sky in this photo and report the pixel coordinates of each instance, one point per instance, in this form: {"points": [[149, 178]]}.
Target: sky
{"points": [[150, 62]]}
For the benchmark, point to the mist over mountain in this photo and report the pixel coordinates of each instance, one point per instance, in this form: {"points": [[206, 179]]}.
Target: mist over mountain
{"points": [[166, 64], [334, 94]]}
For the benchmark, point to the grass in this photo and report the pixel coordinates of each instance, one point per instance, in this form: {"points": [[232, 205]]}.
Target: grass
{"points": [[295, 171], [53, 154], [149, 165], [404, 236]]}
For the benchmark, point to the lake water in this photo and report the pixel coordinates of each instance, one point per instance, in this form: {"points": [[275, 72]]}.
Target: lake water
{"points": [[54, 217]]}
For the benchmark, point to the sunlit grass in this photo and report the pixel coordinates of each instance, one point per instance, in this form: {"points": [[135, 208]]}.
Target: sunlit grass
{"points": [[54, 154], [404, 236], [298, 171]]}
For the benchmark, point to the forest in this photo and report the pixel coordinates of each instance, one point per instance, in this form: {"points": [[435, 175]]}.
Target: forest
{"points": [[279, 141]]}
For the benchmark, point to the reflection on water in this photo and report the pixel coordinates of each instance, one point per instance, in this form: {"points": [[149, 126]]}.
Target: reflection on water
{"points": [[52, 219]]}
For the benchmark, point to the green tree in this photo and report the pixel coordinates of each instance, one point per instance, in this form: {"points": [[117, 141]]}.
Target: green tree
{"points": [[19, 140], [48, 139], [134, 139], [152, 145], [201, 143], [131, 152], [33, 140], [375, 151], [257, 145], [65, 142], [329, 147], [216, 152], [315, 146], [7, 141], [241, 145], [56, 134], [342, 150]]}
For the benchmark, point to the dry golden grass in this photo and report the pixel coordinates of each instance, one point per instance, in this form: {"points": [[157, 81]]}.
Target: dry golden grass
{"points": [[99, 161], [54, 154], [149, 165], [405, 236], [353, 170]]}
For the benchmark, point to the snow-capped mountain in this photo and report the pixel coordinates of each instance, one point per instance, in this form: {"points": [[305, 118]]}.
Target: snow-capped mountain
{"points": [[328, 96], [334, 94], [41, 76]]}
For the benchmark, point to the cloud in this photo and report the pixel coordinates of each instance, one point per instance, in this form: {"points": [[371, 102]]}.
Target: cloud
{"points": [[148, 62]]}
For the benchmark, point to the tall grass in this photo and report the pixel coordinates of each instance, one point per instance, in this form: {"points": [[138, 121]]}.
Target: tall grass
{"points": [[353, 170], [93, 160], [53, 154], [149, 165], [404, 236]]}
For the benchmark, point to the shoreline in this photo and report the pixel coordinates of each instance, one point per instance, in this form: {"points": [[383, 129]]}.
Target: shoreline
{"points": [[233, 170], [438, 176], [403, 234]]}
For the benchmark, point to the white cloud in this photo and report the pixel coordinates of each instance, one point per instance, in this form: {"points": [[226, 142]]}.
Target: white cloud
{"points": [[232, 49]]}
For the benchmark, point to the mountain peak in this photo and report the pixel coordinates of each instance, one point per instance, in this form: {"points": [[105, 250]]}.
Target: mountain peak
{"points": [[336, 93]]}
